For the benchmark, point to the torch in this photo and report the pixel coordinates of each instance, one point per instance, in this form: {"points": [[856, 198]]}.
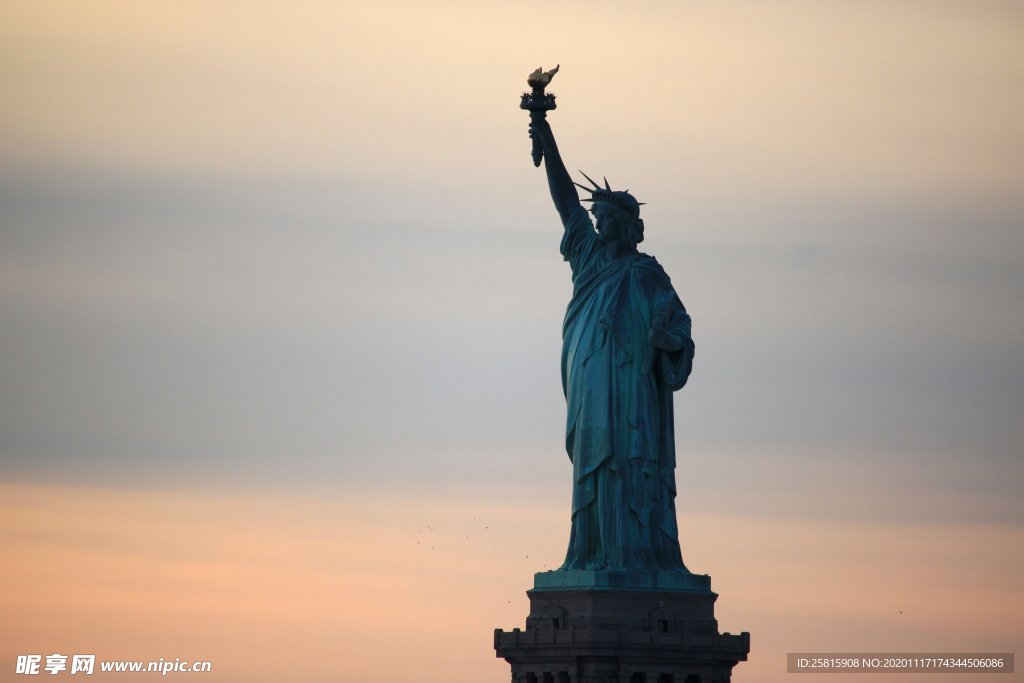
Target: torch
{"points": [[538, 103]]}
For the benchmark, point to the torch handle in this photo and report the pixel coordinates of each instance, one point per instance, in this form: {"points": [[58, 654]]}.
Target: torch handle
{"points": [[538, 147]]}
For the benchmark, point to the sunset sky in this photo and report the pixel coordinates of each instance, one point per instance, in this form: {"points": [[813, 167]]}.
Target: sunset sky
{"points": [[281, 303]]}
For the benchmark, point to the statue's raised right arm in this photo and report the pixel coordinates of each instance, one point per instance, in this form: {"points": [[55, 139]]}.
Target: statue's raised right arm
{"points": [[563, 191]]}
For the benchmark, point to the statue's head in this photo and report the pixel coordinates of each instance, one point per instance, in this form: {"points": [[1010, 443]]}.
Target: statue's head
{"points": [[616, 212]]}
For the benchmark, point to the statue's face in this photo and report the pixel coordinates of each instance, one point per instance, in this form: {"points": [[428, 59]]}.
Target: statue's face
{"points": [[611, 221]]}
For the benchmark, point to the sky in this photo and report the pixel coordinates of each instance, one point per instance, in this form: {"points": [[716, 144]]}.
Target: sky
{"points": [[281, 302]]}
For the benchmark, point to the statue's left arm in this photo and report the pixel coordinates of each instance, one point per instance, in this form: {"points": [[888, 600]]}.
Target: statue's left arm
{"points": [[668, 334], [669, 341], [672, 347]]}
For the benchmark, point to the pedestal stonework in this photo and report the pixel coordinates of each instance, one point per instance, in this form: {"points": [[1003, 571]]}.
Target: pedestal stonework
{"points": [[616, 635]]}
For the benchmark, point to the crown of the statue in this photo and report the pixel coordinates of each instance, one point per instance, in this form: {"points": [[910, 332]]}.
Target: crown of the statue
{"points": [[620, 198]]}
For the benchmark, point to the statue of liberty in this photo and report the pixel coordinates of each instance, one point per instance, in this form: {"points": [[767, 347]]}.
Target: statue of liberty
{"points": [[626, 347], [622, 606]]}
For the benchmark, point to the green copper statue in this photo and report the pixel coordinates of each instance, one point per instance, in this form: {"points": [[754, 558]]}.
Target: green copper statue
{"points": [[626, 347]]}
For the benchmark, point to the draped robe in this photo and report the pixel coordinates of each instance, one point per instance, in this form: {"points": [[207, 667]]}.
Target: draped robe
{"points": [[618, 389]]}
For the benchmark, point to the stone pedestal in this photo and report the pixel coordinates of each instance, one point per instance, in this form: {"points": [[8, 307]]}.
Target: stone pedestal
{"points": [[596, 633]]}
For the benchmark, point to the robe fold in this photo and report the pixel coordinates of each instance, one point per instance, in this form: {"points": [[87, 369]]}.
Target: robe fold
{"points": [[618, 389]]}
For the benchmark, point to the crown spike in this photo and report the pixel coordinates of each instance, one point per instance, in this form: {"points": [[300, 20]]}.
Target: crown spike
{"points": [[583, 187], [596, 186], [606, 185]]}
